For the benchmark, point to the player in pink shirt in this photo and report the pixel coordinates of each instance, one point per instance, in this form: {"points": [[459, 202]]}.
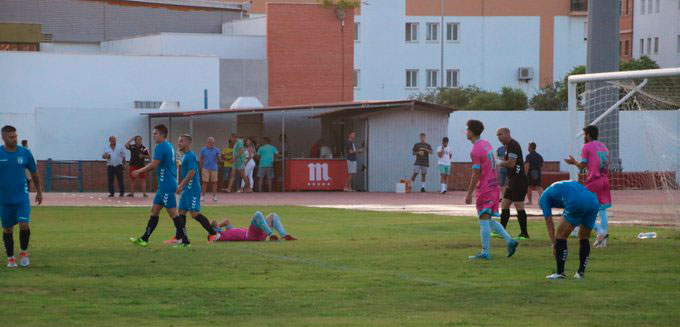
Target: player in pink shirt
{"points": [[260, 228], [595, 159], [484, 183]]}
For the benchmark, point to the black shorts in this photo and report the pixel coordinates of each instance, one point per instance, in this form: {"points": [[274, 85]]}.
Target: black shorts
{"points": [[535, 178], [517, 189]]}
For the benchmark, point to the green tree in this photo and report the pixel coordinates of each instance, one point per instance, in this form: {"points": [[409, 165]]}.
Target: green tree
{"points": [[513, 99], [546, 99], [473, 98], [557, 93]]}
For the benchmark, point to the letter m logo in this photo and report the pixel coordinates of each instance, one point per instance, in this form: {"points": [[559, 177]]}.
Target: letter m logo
{"points": [[318, 172]]}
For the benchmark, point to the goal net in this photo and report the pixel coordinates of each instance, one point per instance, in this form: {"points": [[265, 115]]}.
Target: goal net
{"points": [[638, 117]]}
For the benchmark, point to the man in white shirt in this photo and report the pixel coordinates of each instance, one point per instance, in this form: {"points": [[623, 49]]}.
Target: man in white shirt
{"points": [[115, 159], [444, 154]]}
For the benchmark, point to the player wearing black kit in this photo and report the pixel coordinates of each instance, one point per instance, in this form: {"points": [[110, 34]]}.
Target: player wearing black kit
{"points": [[517, 181]]}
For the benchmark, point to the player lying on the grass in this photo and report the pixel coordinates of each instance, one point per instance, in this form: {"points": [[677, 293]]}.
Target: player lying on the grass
{"points": [[15, 205], [595, 158], [164, 162], [260, 228], [580, 209], [190, 192], [483, 182]]}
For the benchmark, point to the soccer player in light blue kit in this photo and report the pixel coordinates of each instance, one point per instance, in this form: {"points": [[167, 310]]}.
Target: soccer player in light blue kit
{"points": [[189, 190], [15, 206], [580, 209], [164, 162]]}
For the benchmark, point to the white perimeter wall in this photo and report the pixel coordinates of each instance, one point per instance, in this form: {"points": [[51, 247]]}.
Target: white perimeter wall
{"points": [[85, 82], [488, 54], [649, 140], [185, 44]]}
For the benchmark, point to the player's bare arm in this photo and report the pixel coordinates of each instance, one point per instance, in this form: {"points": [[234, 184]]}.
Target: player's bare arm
{"points": [[572, 161], [35, 177], [473, 183], [190, 175], [151, 166]]}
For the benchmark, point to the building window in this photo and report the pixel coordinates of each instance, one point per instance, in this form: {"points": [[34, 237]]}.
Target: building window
{"points": [[357, 28], [627, 13], [411, 78], [642, 47], [432, 32], [626, 46], [657, 6], [649, 8], [452, 31], [148, 104], [452, 77], [357, 74], [411, 32], [620, 48], [432, 77], [656, 45], [642, 8], [678, 43], [649, 45], [620, 7]]}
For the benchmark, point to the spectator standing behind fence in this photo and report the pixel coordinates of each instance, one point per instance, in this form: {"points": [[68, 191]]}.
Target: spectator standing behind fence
{"points": [[533, 165], [227, 155], [239, 163], [210, 156], [265, 170], [250, 162], [115, 159], [138, 154], [445, 154], [422, 151], [351, 155]]}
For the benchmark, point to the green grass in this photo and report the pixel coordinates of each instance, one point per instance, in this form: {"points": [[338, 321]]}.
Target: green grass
{"points": [[349, 268]]}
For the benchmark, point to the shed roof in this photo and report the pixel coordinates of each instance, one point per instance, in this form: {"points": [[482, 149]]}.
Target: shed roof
{"points": [[339, 108]]}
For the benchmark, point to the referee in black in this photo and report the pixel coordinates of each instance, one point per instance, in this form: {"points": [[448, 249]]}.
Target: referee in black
{"points": [[517, 182]]}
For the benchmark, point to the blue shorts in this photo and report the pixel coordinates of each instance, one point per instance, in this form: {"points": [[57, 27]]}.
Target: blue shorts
{"points": [[165, 198], [190, 201], [584, 216], [12, 214]]}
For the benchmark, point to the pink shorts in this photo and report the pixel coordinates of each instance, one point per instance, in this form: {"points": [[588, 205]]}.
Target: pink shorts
{"points": [[600, 187], [488, 204]]}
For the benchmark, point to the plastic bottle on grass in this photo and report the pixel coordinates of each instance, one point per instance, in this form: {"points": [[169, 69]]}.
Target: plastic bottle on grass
{"points": [[647, 235]]}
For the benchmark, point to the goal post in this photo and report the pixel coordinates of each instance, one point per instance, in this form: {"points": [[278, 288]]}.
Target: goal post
{"points": [[653, 89]]}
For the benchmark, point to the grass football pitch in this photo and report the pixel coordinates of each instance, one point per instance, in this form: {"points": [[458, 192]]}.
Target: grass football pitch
{"points": [[349, 268]]}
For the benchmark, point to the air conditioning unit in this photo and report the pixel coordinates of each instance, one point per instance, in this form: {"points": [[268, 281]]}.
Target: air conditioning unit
{"points": [[525, 73]]}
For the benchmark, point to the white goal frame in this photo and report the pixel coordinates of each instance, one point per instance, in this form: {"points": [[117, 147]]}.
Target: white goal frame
{"points": [[575, 131]]}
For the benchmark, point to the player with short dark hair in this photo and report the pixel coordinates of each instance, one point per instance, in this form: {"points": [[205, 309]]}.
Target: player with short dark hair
{"points": [[189, 190], [580, 209], [484, 184], [15, 205], [164, 162], [516, 191], [595, 158]]}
